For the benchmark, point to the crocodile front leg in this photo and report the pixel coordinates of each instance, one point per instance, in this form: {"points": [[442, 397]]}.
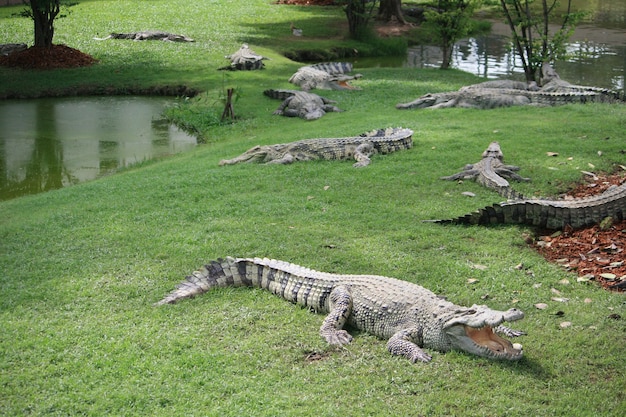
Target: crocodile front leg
{"points": [[404, 343], [507, 172], [362, 154], [340, 309]]}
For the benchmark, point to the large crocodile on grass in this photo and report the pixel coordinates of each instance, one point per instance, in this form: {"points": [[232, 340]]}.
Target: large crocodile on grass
{"points": [[506, 93], [552, 214], [490, 98], [552, 82], [307, 106], [244, 59], [359, 148], [491, 172], [149, 35], [409, 316], [325, 76]]}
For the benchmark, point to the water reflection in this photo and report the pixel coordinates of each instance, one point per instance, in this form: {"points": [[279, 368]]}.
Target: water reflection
{"points": [[51, 143], [492, 56]]}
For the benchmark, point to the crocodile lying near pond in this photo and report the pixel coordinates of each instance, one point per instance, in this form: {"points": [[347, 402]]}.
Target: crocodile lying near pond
{"points": [[149, 35], [489, 98], [409, 316], [552, 214], [506, 93], [552, 82], [244, 59], [325, 76], [491, 172], [307, 106], [359, 148]]}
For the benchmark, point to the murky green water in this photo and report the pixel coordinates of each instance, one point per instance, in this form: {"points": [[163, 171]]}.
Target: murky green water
{"points": [[52, 143], [597, 48]]}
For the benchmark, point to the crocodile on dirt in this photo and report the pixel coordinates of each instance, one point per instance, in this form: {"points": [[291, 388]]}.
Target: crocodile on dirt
{"points": [[245, 59], [359, 148], [149, 35], [307, 106], [7, 49], [491, 172], [325, 76], [552, 214], [410, 317]]}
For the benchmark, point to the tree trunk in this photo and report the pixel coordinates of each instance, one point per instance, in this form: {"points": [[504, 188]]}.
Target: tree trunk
{"points": [[389, 9], [44, 12], [358, 13], [446, 50]]}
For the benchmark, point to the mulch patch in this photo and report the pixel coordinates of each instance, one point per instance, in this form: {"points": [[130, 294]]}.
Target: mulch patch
{"points": [[595, 253], [55, 57]]}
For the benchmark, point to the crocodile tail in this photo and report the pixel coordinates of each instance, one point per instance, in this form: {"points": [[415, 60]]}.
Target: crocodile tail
{"points": [[279, 94], [221, 273], [510, 194], [485, 216]]}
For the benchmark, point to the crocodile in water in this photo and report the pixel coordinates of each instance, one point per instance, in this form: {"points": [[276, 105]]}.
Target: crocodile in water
{"points": [[244, 59], [491, 172], [325, 76], [409, 316], [149, 35], [307, 106], [552, 214], [359, 148]]}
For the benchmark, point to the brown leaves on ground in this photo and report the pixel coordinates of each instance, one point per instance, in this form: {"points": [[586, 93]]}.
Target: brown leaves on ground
{"points": [[595, 253], [57, 56]]}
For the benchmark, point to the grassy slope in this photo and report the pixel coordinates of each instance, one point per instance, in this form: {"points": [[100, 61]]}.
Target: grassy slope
{"points": [[82, 266]]}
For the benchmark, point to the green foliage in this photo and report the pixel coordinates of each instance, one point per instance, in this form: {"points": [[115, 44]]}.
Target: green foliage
{"points": [[359, 13], [449, 21], [530, 28], [81, 266]]}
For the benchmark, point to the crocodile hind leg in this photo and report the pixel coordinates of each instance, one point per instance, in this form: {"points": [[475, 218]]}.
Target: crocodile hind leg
{"points": [[340, 309], [403, 343], [362, 154]]}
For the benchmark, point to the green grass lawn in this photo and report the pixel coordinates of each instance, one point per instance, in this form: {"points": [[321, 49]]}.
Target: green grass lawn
{"points": [[82, 266]]}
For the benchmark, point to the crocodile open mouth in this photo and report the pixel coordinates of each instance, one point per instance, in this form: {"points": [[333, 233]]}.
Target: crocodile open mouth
{"points": [[492, 344]]}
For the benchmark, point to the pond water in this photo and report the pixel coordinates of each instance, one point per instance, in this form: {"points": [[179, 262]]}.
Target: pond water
{"points": [[597, 48], [52, 143]]}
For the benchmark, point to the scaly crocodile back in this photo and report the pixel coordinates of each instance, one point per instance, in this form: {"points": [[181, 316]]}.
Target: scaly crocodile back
{"points": [[384, 141], [552, 214], [333, 67]]}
